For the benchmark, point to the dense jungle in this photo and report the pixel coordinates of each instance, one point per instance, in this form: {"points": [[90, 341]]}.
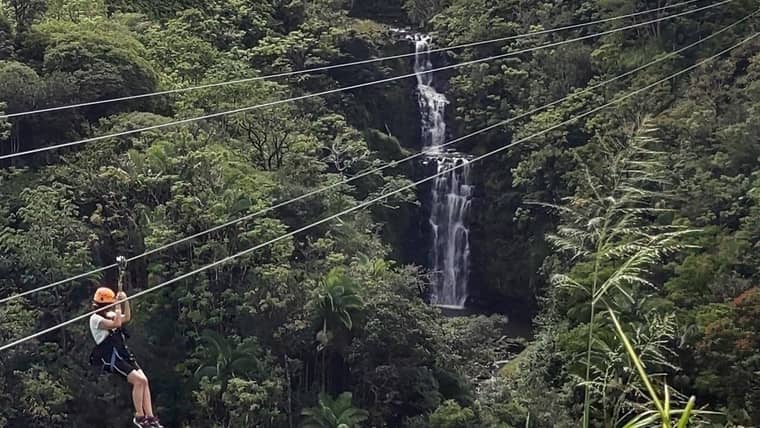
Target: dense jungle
{"points": [[586, 253]]}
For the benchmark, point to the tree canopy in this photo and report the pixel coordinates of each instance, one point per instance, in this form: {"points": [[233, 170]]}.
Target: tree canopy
{"points": [[613, 264]]}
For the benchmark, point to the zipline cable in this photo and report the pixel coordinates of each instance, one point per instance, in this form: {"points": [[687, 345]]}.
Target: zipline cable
{"points": [[378, 169], [379, 198], [348, 88], [341, 65]]}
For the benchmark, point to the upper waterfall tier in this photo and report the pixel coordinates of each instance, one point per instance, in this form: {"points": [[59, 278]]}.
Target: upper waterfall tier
{"points": [[432, 103]]}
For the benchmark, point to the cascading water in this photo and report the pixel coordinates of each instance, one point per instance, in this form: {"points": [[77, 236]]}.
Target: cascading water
{"points": [[432, 104], [451, 191], [451, 237]]}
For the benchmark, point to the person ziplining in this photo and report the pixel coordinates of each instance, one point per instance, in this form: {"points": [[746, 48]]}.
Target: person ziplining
{"points": [[111, 352]]}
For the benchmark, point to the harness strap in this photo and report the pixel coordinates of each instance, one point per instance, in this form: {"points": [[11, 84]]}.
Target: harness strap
{"points": [[114, 356]]}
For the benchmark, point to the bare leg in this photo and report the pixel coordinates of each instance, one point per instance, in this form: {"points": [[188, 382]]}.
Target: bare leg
{"points": [[139, 383], [147, 403]]}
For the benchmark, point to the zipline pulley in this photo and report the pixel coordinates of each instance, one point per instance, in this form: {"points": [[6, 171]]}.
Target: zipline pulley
{"points": [[122, 262]]}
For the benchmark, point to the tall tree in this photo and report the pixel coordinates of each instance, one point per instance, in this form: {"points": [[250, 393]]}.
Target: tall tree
{"points": [[26, 12]]}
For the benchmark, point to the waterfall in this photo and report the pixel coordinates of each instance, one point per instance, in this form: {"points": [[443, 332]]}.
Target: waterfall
{"points": [[451, 191], [451, 238], [432, 104]]}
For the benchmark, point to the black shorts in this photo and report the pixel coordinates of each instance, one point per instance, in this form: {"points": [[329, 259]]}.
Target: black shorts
{"points": [[121, 363]]}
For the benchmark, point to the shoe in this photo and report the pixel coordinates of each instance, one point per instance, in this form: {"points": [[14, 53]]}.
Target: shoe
{"points": [[154, 422], [141, 422]]}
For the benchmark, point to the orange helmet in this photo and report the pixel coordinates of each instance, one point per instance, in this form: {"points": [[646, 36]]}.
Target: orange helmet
{"points": [[104, 295]]}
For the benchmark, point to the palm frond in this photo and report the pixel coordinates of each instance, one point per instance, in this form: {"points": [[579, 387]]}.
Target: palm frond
{"points": [[608, 225], [565, 281]]}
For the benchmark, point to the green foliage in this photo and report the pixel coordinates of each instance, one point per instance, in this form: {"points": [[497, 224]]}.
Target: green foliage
{"points": [[97, 63], [44, 399], [452, 415], [606, 229], [236, 383], [25, 12], [334, 413], [422, 11], [247, 354], [223, 361], [48, 241], [6, 38], [726, 350], [5, 127], [662, 413], [313, 44], [75, 10], [253, 341], [252, 404], [182, 56], [477, 343], [338, 302], [20, 86], [393, 359]]}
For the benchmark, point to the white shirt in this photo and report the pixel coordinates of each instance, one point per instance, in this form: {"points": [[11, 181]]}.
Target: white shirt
{"points": [[98, 333]]}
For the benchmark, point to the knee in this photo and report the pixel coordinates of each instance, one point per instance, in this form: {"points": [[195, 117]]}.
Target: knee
{"points": [[139, 380], [143, 378]]}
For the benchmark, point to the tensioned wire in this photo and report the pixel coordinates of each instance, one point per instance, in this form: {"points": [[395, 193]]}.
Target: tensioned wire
{"points": [[379, 198], [365, 173], [348, 88], [341, 65]]}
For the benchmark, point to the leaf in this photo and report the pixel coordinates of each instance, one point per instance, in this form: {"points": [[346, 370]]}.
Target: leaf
{"points": [[684, 420]]}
